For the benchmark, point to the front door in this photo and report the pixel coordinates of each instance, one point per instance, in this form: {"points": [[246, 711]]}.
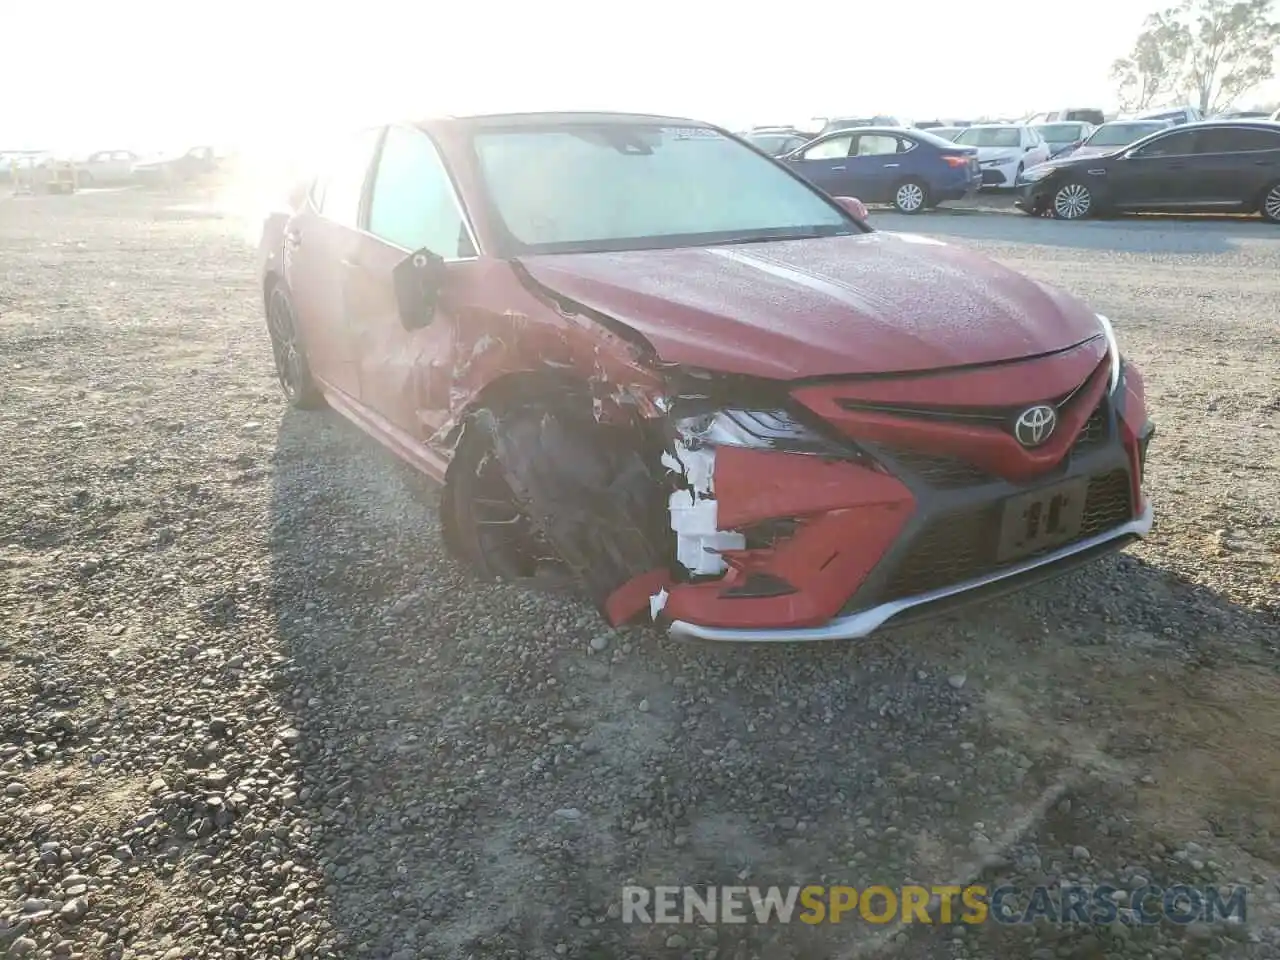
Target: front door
{"points": [[825, 164], [405, 375], [319, 242], [1162, 173]]}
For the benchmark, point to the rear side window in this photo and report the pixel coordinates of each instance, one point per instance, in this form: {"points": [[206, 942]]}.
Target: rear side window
{"points": [[413, 204], [338, 191], [1238, 140], [876, 144]]}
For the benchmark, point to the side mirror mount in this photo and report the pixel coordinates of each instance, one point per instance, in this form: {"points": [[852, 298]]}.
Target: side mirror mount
{"points": [[418, 280], [853, 206]]}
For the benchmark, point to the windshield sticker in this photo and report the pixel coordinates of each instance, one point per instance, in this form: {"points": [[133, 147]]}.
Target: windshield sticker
{"points": [[690, 133]]}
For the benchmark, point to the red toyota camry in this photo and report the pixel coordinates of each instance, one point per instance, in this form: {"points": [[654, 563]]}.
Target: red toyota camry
{"points": [[639, 349]]}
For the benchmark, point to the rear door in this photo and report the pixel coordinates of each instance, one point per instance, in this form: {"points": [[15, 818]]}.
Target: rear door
{"points": [[875, 165], [825, 163], [1237, 163], [406, 375], [319, 242]]}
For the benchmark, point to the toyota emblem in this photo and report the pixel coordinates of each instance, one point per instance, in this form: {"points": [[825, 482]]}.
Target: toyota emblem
{"points": [[1035, 425]]}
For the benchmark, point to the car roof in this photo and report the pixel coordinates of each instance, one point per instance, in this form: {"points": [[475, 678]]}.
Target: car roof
{"points": [[894, 131], [1247, 122]]}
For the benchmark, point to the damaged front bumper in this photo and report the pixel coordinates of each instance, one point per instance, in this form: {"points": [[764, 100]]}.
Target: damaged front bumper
{"points": [[787, 545], [855, 626]]}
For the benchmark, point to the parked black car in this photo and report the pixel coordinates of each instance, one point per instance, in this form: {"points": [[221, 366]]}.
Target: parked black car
{"points": [[1197, 167]]}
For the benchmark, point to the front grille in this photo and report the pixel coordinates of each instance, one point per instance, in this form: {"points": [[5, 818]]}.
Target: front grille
{"points": [[962, 546], [949, 473], [1094, 432], [952, 473]]}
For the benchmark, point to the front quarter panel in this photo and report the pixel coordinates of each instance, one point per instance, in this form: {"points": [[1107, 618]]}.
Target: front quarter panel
{"points": [[271, 245]]}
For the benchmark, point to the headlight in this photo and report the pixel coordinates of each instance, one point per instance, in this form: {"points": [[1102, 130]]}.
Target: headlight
{"points": [[1113, 352], [1038, 172], [754, 429]]}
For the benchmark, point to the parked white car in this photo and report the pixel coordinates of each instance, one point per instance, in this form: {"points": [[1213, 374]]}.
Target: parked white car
{"points": [[107, 166], [1005, 150]]}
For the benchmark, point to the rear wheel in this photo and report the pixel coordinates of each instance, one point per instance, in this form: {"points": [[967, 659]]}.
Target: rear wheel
{"points": [[1072, 201], [292, 369], [910, 196], [1270, 205]]}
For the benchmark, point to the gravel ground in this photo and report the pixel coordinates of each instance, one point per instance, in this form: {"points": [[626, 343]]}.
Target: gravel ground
{"points": [[250, 708]]}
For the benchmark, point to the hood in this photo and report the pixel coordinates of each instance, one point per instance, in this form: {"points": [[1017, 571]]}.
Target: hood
{"points": [[875, 303]]}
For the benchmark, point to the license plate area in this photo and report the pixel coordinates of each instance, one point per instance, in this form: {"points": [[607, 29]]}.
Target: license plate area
{"points": [[1041, 519]]}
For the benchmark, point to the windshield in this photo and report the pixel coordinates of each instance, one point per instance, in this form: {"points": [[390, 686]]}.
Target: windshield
{"points": [[1122, 134], [1060, 132], [592, 187], [990, 137]]}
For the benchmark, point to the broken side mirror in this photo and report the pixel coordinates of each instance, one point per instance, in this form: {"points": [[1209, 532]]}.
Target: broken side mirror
{"points": [[853, 206], [418, 279]]}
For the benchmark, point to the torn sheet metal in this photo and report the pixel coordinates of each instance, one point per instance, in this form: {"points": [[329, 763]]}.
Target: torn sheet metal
{"points": [[588, 490], [693, 510]]}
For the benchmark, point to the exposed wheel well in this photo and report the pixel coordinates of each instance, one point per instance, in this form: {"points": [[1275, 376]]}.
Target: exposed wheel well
{"points": [[526, 388]]}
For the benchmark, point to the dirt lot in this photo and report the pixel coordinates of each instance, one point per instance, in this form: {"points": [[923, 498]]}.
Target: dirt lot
{"points": [[250, 708]]}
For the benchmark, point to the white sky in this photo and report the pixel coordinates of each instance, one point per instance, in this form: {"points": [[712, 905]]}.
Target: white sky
{"points": [[92, 74]]}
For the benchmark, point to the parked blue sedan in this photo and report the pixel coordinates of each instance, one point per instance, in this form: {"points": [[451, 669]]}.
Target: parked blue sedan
{"points": [[912, 169]]}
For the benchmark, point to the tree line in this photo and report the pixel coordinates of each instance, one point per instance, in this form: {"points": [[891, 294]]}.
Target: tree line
{"points": [[1205, 52]]}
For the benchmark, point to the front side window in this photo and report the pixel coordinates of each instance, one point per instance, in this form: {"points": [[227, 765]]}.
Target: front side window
{"points": [[1178, 144], [338, 192], [413, 204], [583, 187], [830, 149], [990, 137]]}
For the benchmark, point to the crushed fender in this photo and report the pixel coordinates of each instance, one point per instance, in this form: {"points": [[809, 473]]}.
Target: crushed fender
{"points": [[588, 488]]}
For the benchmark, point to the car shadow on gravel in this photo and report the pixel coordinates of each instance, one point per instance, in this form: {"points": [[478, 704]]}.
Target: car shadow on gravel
{"points": [[484, 766]]}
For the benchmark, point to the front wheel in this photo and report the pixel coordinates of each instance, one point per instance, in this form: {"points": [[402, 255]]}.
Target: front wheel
{"points": [[1270, 205], [1072, 201], [292, 369], [910, 196]]}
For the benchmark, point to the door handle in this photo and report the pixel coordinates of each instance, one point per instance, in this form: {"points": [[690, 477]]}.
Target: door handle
{"points": [[838, 168], [887, 165]]}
